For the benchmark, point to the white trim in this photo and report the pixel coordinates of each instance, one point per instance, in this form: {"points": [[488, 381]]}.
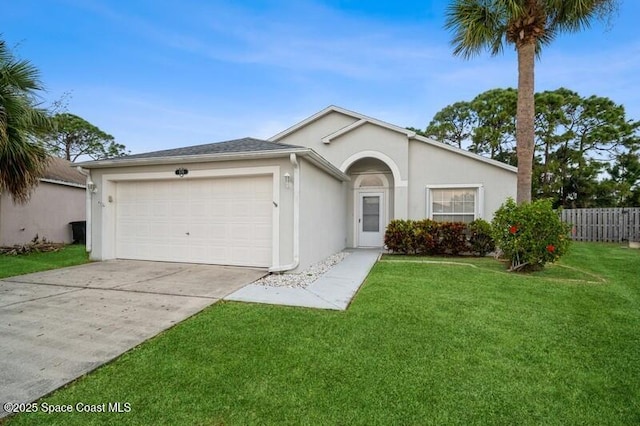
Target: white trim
{"points": [[108, 188], [359, 177], [384, 211], [296, 220], [479, 204], [65, 183], [454, 185], [196, 158], [194, 174], [362, 119], [353, 114], [356, 201], [306, 153], [327, 139], [88, 234], [395, 170]]}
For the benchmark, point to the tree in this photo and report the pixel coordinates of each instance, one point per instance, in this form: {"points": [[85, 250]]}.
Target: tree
{"points": [[485, 126], [495, 132], [578, 140], [22, 158], [553, 109], [626, 177], [528, 25], [73, 137], [453, 124]]}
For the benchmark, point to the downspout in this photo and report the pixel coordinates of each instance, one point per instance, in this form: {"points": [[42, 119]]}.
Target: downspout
{"points": [[87, 197], [296, 218]]}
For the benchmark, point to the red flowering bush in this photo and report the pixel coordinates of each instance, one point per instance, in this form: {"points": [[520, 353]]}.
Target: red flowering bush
{"points": [[530, 235]]}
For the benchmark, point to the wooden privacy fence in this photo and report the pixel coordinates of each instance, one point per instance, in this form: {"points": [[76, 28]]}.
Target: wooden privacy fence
{"points": [[604, 225]]}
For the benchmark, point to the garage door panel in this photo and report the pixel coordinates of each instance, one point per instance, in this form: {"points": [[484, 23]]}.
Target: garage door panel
{"points": [[218, 221], [262, 234], [221, 210], [160, 210]]}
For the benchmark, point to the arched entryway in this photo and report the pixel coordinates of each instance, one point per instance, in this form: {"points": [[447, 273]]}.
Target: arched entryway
{"points": [[370, 201]]}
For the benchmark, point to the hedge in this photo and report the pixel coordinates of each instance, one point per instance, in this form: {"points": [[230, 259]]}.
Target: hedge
{"points": [[439, 238]]}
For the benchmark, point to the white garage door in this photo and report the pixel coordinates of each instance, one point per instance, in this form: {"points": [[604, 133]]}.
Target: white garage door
{"points": [[224, 221]]}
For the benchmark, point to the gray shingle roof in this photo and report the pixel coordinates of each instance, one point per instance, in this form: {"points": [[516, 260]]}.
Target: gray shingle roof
{"points": [[62, 170], [236, 145]]}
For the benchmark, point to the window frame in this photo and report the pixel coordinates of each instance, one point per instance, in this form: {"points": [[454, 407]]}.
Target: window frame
{"points": [[479, 194]]}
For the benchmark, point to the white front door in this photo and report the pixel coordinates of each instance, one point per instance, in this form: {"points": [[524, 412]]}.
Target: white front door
{"points": [[371, 219]]}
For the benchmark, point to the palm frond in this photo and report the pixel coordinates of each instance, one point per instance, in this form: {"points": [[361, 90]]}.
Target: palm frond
{"points": [[22, 158], [476, 25], [576, 15], [20, 75]]}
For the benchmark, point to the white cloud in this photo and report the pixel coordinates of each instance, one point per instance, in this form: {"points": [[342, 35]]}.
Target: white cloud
{"points": [[311, 38], [299, 58]]}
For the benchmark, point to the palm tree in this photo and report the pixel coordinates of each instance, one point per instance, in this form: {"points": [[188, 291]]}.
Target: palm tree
{"points": [[528, 25], [22, 158]]}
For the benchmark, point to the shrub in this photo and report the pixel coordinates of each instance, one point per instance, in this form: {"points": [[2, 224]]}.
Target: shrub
{"points": [[480, 240], [426, 237], [399, 236], [452, 237], [433, 238], [530, 235]]}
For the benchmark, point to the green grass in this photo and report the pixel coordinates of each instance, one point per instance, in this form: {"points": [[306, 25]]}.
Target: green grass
{"points": [[35, 262], [422, 343]]}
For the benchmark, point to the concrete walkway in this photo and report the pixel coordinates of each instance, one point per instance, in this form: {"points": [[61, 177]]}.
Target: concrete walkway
{"points": [[334, 290]]}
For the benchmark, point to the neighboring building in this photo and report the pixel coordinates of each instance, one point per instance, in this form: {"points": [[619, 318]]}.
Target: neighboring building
{"points": [[56, 201], [332, 181]]}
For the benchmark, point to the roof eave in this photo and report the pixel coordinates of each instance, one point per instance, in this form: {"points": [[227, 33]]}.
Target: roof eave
{"points": [[63, 182], [193, 158], [205, 158], [319, 161]]}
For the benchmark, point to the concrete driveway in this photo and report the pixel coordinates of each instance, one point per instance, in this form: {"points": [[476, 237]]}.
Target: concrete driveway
{"points": [[58, 325]]}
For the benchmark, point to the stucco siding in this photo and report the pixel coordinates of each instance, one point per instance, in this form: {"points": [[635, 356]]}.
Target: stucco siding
{"points": [[323, 215], [105, 199], [430, 165], [327, 209], [47, 214], [368, 137], [311, 135]]}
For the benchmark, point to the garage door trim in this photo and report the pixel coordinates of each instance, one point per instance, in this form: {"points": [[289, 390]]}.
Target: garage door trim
{"points": [[107, 199]]}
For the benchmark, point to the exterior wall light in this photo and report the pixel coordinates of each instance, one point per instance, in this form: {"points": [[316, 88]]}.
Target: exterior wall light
{"points": [[92, 187], [287, 180], [182, 171]]}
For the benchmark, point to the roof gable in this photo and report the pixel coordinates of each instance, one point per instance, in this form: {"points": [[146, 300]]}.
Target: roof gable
{"points": [[360, 120]]}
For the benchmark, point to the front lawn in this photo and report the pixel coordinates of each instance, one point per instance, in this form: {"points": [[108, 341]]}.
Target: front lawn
{"points": [[35, 262], [422, 343]]}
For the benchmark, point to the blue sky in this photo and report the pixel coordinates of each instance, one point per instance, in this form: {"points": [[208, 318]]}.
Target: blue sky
{"points": [[162, 74]]}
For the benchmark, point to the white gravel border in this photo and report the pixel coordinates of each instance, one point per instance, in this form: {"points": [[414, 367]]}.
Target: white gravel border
{"points": [[305, 278]]}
